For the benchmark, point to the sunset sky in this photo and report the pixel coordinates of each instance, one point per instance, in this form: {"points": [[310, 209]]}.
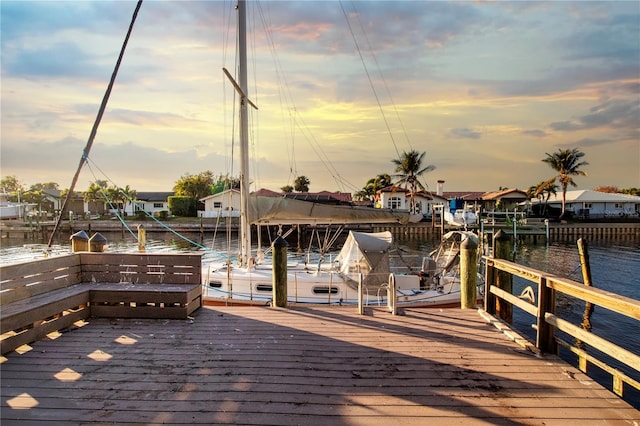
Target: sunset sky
{"points": [[484, 88]]}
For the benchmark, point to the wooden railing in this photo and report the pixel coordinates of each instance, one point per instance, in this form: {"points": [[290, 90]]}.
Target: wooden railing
{"points": [[499, 302]]}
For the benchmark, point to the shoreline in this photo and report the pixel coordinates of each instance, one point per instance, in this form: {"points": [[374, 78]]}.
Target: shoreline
{"points": [[557, 231]]}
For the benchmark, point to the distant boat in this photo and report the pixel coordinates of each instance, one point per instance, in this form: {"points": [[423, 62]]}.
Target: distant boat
{"points": [[461, 218], [13, 210]]}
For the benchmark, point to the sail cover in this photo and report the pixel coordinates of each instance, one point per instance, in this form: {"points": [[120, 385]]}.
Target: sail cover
{"points": [[366, 253], [265, 210]]}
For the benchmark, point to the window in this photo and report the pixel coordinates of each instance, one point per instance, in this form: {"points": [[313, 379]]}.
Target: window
{"points": [[217, 204], [264, 287], [394, 203], [324, 290], [618, 206], [158, 205], [588, 205], [215, 284]]}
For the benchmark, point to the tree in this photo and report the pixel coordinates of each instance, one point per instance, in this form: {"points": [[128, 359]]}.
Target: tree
{"points": [[120, 196], [224, 183], [11, 185], [607, 189], [301, 184], [567, 163], [95, 193], [287, 189], [542, 191], [408, 171], [194, 186], [631, 191]]}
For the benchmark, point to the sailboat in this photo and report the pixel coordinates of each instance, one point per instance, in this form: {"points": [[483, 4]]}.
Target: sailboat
{"points": [[249, 280]]}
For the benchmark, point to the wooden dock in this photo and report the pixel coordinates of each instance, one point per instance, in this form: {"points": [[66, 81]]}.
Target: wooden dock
{"points": [[310, 366]]}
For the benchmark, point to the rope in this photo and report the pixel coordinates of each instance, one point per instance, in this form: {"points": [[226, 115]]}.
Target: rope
{"points": [[96, 124], [366, 70]]}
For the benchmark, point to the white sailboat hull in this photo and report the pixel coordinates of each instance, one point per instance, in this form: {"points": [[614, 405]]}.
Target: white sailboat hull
{"points": [[241, 286]]}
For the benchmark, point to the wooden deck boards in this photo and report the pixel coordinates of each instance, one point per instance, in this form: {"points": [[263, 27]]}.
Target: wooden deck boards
{"points": [[309, 366]]}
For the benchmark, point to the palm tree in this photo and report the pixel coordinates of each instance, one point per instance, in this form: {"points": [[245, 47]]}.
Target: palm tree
{"points": [[120, 196], [408, 171], [542, 191], [567, 163], [301, 184], [93, 194], [373, 185]]}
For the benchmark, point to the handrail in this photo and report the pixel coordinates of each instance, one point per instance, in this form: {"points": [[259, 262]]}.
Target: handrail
{"points": [[547, 322]]}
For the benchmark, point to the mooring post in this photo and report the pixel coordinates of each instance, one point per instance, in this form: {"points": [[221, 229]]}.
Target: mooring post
{"points": [[468, 274], [360, 295], [279, 280], [504, 280], [79, 242], [142, 238]]}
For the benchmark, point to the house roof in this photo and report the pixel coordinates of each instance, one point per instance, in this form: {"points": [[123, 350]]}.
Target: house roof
{"points": [[463, 195], [590, 196], [322, 196], [513, 193], [220, 194], [153, 196], [423, 194]]}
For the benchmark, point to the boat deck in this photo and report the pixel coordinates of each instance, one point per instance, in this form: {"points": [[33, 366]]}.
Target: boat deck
{"points": [[304, 365]]}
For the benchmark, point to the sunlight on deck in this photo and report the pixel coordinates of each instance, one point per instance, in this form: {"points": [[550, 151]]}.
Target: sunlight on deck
{"points": [[24, 401], [99, 355], [68, 375], [126, 340]]}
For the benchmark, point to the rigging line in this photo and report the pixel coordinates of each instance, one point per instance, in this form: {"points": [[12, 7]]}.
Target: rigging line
{"points": [[135, 203], [297, 119], [384, 81], [94, 130], [279, 85], [120, 218], [366, 70]]}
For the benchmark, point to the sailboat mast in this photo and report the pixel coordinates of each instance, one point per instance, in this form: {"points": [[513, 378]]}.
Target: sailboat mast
{"points": [[245, 226]]}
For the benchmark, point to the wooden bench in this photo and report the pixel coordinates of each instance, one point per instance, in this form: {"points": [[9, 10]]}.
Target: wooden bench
{"points": [[40, 297]]}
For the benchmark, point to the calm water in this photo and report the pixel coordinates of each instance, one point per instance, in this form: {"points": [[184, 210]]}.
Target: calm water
{"points": [[615, 267]]}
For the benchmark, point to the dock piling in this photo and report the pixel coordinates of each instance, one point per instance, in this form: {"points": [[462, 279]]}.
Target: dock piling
{"points": [[279, 250], [468, 274]]}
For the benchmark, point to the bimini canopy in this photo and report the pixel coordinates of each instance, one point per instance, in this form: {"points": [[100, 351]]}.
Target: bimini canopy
{"points": [[286, 211], [366, 253]]}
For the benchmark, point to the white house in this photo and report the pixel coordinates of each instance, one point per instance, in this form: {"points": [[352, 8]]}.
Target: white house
{"points": [[150, 202], [222, 204], [395, 198], [594, 204]]}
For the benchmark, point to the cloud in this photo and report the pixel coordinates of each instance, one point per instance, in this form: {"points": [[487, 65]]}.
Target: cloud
{"points": [[464, 133], [617, 114], [536, 133]]}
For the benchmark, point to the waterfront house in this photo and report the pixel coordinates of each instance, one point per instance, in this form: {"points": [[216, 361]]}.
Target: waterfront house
{"points": [[397, 198], [588, 204], [222, 204], [150, 202], [503, 199]]}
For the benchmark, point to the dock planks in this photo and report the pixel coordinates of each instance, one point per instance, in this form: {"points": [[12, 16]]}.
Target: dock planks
{"points": [[309, 366]]}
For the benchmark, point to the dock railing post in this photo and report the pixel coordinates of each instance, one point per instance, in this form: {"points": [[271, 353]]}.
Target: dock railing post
{"points": [[545, 340], [279, 250], [489, 280], [468, 274], [504, 280]]}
